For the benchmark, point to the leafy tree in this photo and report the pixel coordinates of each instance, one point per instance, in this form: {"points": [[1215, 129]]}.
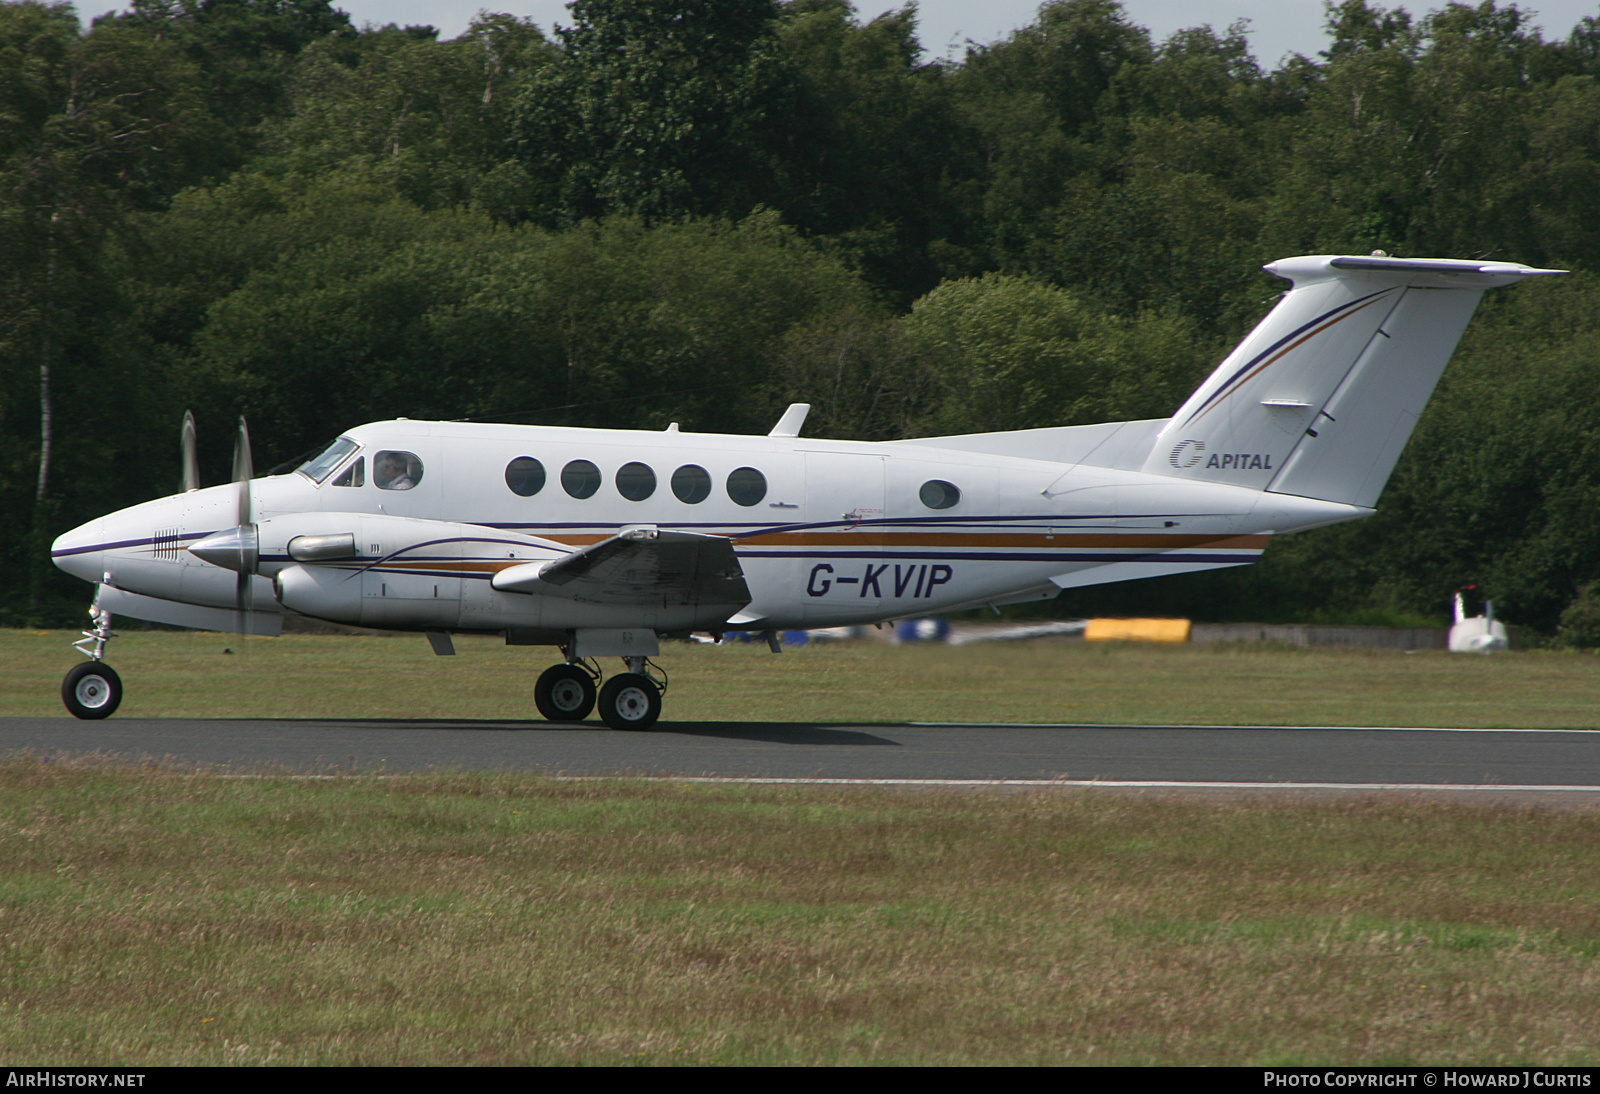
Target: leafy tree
{"points": [[863, 375], [246, 50], [656, 108], [1014, 353], [1406, 147], [91, 127], [429, 118], [1580, 621], [640, 325], [1041, 101], [869, 149]]}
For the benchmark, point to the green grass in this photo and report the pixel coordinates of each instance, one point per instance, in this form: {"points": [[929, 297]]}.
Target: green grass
{"points": [[157, 916], [194, 675], [165, 916]]}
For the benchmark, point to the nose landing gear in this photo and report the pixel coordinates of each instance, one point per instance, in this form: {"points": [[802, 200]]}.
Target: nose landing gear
{"points": [[93, 690]]}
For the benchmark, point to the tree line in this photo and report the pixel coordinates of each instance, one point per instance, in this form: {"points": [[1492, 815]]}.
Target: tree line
{"points": [[701, 210]]}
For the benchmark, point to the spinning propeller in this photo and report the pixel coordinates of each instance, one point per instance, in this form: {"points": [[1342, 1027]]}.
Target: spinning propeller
{"points": [[237, 548]]}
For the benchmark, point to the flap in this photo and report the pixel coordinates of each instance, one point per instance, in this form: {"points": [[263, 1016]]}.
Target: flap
{"points": [[639, 566]]}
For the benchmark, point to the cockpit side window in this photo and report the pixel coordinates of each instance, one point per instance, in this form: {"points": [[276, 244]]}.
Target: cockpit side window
{"points": [[396, 470], [354, 475], [321, 466]]}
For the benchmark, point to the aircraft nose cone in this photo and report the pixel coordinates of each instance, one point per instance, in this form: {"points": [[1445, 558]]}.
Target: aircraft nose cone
{"points": [[81, 552]]}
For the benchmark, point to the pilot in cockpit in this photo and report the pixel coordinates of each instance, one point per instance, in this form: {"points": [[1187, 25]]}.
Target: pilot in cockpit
{"points": [[393, 471]]}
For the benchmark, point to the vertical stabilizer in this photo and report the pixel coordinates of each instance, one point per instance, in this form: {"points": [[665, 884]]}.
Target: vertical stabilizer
{"points": [[1321, 397]]}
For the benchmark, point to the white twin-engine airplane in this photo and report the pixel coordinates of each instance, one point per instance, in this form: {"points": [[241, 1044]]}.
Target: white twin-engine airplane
{"points": [[599, 542]]}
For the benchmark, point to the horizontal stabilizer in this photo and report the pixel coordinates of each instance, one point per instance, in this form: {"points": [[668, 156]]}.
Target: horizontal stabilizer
{"points": [[1112, 444]]}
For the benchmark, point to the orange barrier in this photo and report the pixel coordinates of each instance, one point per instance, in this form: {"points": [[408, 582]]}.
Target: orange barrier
{"points": [[1137, 630]]}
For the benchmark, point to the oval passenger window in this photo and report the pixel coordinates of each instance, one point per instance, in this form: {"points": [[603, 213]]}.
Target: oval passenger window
{"points": [[747, 486], [636, 481], [938, 494], [691, 484], [580, 478], [525, 476]]}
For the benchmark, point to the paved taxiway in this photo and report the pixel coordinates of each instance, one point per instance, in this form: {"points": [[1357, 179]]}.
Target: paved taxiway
{"points": [[1364, 758]]}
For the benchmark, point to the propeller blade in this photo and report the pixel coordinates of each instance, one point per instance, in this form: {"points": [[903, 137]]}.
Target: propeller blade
{"points": [[191, 463], [243, 472], [243, 468]]}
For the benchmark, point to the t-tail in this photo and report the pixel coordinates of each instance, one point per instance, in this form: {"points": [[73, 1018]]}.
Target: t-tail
{"points": [[1321, 397]]}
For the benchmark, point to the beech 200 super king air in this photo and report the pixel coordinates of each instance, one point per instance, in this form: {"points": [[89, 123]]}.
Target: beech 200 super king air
{"points": [[600, 542]]}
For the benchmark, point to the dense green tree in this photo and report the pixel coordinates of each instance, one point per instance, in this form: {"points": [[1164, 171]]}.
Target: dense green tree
{"points": [[1406, 147], [865, 377], [312, 306], [1040, 100], [92, 127], [246, 49], [655, 108], [429, 118], [1013, 353], [869, 148], [700, 210], [645, 325]]}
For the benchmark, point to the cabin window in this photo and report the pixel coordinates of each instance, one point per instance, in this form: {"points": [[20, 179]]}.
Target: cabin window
{"points": [[525, 476], [580, 478], [747, 486], [938, 494], [636, 481], [691, 484], [354, 475], [396, 470], [321, 466]]}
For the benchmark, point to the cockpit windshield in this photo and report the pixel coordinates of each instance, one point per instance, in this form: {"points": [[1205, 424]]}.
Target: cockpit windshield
{"points": [[321, 466]]}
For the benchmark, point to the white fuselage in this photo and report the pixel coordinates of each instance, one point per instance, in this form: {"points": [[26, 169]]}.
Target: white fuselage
{"points": [[843, 532]]}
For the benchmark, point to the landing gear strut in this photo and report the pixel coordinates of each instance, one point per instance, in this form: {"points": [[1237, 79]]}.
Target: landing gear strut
{"points": [[93, 690]]}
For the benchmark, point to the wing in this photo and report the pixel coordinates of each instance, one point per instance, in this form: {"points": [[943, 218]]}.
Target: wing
{"points": [[643, 566]]}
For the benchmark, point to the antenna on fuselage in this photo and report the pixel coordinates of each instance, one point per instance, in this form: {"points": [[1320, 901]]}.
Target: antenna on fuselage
{"points": [[793, 418]]}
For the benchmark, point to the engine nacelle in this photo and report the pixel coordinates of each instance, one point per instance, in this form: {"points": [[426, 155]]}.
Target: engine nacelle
{"points": [[374, 570], [321, 592]]}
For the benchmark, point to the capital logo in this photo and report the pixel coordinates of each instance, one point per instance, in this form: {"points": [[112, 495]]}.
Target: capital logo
{"points": [[1187, 453]]}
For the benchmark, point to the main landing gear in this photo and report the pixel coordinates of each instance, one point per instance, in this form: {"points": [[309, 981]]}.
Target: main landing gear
{"points": [[631, 700], [93, 689]]}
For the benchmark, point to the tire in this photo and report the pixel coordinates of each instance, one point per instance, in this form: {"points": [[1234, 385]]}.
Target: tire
{"points": [[564, 693], [630, 701], [92, 690]]}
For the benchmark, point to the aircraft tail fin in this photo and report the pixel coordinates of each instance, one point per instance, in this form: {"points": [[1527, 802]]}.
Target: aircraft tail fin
{"points": [[1321, 397]]}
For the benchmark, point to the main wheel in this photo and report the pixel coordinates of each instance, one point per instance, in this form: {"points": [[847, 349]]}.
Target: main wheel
{"points": [[92, 690], [630, 701], [564, 693]]}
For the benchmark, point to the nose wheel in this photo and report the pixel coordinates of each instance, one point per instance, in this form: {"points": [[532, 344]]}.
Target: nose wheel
{"points": [[91, 690]]}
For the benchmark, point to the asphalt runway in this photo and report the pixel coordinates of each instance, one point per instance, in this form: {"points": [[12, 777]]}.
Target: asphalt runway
{"points": [[1508, 763]]}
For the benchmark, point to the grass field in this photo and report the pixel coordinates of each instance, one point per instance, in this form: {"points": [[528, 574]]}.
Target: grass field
{"points": [[156, 915], [208, 675]]}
